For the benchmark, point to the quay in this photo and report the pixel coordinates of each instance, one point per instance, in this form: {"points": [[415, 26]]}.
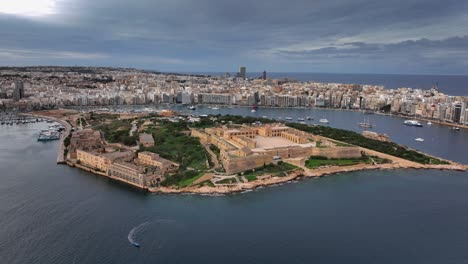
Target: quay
{"points": [[61, 159]]}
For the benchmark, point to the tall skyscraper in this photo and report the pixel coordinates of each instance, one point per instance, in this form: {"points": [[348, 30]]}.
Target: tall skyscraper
{"points": [[264, 75], [242, 72], [18, 91]]}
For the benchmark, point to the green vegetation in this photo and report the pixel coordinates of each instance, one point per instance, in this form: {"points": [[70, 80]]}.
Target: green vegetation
{"points": [[118, 131], [319, 144], [251, 177], [206, 183], [183, 178], [66, 141], [96, 119], [318, 161], [172, 144], [189, 181], [219, 119], [356, 139], [227, 181], [277, 170]]}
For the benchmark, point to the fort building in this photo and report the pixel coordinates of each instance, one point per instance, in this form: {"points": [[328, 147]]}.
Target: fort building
{"points": [[248, 147], [154, 160], [101, 161], [139, 176]]}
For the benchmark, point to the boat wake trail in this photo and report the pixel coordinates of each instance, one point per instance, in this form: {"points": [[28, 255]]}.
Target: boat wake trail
{"points": [[159, 230], [132, 234]]}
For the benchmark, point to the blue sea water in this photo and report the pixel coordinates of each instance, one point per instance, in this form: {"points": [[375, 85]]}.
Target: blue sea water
{"points": [[56, 214]]}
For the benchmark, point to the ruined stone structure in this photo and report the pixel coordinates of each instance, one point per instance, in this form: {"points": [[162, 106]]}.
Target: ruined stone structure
{"points": [[86, 139]]}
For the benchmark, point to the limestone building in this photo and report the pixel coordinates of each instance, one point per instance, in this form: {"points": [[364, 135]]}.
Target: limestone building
{"points": [[248, 147]]}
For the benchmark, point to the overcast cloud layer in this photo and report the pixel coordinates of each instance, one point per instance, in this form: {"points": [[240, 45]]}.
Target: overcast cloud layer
{"points": [[398, 36]]}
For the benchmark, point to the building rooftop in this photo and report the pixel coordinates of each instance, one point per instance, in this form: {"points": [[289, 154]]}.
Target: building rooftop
{"points": [[146, 138]]}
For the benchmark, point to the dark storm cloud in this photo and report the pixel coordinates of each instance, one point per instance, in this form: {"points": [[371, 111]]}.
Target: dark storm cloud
{"points": [[220, 35]]}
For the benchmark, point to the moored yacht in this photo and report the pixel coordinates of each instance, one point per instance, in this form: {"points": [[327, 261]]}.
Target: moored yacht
{"points": [[412, 123]]}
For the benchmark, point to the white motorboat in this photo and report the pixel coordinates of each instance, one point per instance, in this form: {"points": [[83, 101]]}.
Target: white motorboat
{"points": [[412, 123], [324, 120]]}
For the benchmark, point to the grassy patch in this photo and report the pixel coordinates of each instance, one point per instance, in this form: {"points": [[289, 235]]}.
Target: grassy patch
{"points": [[356, 139], [206, 183], [251, 177], [183, 178], [189, 181], [318, 161], [118, 131], [277, 170], [172, 144], [227, 181]]}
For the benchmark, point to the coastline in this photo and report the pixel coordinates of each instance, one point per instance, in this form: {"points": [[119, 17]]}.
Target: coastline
{"points": [[323, 172], [61, 159], [397, 163], [402, 116], [268, 180]]}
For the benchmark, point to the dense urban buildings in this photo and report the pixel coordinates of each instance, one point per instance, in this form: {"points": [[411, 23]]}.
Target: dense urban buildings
{"points": [[31, 88]]}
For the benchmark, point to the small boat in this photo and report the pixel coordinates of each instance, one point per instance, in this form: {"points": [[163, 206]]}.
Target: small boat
{"points": [[324, 120], [253, 110], [412, 123], [300, 119], [309, 118], [215, 108], [288, 118], [191, 107], [456, 128], [429, 123], [264, 116], [135, 244], [419, 139], [365, 124]]}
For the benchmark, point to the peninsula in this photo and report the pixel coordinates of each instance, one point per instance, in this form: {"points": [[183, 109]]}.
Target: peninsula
{"points": [[171, 153]]}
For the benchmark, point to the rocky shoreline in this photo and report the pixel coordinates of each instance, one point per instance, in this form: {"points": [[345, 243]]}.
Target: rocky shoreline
{"points": [[317, 173]]}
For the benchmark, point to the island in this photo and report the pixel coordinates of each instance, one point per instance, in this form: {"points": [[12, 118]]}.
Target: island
{"points": [[166, 152]]}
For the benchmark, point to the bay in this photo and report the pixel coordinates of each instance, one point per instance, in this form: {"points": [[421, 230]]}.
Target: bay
{"points": [[56, 214]]}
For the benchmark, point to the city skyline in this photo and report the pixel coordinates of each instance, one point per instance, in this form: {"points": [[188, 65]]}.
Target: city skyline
{"points": [[398, 37]]}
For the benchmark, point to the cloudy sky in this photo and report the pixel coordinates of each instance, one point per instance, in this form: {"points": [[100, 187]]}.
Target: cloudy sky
{"points": [[350, 36]]}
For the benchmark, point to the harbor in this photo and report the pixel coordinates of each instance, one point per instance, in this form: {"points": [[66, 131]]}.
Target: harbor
{"points": [[375, 201]]}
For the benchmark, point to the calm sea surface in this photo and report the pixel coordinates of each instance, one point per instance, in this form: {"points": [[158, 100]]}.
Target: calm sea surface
{"points": [[55, 214]]}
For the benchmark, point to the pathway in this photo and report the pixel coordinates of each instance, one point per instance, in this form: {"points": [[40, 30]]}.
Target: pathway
{"points": [[213, 156]]}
